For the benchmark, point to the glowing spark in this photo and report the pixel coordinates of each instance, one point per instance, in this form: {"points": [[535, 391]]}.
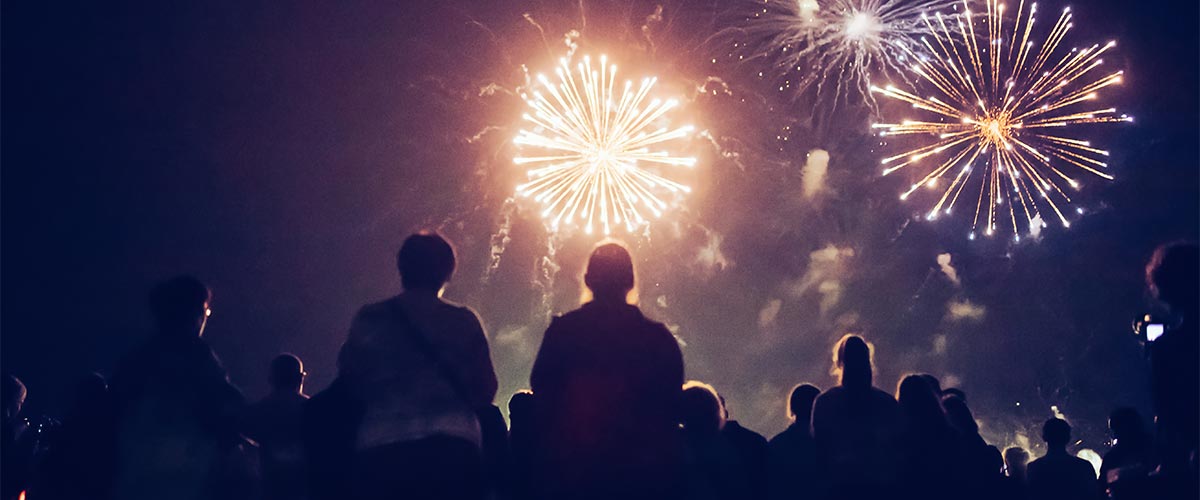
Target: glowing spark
{"points": [[862, 26], [835, 48], [1004, 103], [593, 149]]}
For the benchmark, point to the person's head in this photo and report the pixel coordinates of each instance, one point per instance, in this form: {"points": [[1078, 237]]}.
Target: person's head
{"points": [[287, 374], [520, 407], [800, 402], [959, 415], [1015, 460], [1056, 432], [1126, 423], [426, 262], [852, 361], [1173, 276], [934, 384], [955, 392], [918, 401], [14, 396], [609, 277], [180, 306], [701, 412]]}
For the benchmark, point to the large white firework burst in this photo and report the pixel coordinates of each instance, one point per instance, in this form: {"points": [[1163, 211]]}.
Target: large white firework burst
{"points": [[589, 154], [833, 48]]}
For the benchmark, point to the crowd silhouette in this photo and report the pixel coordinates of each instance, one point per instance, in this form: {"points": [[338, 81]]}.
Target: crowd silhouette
{"points": [[610, 415]]}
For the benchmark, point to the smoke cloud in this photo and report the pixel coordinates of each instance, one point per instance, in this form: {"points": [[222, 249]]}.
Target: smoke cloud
{"points": [[964, 310], [826, 269], [943, 261], [812, 176], [709, 257], [766, 316], [1035, 226]]}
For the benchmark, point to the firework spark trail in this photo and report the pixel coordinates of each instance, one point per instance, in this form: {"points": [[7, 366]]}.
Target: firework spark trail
{"points": [[845, 44], [590, 146], [1007, 103]]}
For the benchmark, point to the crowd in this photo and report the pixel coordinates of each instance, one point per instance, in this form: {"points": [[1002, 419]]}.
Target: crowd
{"points": [[610, 415]]}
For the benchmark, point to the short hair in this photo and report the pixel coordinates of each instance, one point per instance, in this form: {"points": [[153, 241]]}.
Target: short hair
{"points": [[179, 301], [286, 371], [425, 261], [701, 408], [609, 269], [800, 401], [1172, 274], [959, 415], [1126, 422], [918, 400], [1015, 456], [1056, 432]]}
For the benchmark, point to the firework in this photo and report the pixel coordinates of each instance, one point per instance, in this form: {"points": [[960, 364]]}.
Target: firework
{"points": [[589, 155], [835, 47], [1006, 107]]}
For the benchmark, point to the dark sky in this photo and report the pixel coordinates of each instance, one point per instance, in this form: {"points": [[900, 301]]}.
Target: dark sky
{"points": [[281, 151]]}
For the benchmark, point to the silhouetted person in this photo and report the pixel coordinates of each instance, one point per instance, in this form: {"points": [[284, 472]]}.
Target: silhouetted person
{"points": [[176, 411], [522, 441], [275, 423], [329, 430], [714, 468], [752, 452], [1175, 374], [792, 456], [954, 392], [606, 381], [17, 458], [1126, 467], [79, 462], [1016, 462], [1058, 475], [975, 458], [856, 427], [422, 369], [936, 385], [994, 478], [494, 435], [929, 448]]}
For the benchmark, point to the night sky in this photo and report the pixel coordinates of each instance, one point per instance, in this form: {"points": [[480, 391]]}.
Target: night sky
{"points": [[282, 151]]}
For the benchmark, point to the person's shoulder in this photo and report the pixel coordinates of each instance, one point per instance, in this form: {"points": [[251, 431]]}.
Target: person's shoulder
{"points": [[829, 400], [1082, 464], [376, 309], [882, 397], [1038, 463], [785, 438], [830, 393], [747, 434], [656, 326], [458, 310], [572, 320], [577, 314]]}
